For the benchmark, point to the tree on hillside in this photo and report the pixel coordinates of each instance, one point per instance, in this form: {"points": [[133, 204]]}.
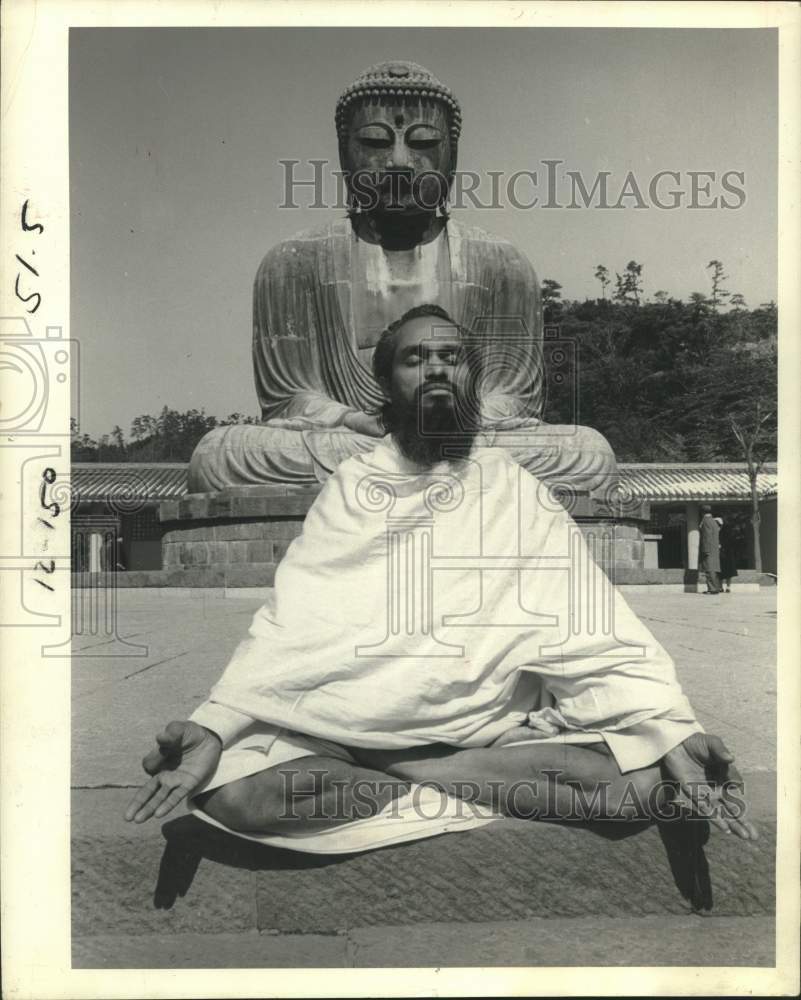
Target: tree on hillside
{"points": [[602, 275], [118, 437], [551, 300], [764, 323], [644, 374], [171, 436], [238, 418], [144, 427], [628, 286], [83, 448], [719, 293]]}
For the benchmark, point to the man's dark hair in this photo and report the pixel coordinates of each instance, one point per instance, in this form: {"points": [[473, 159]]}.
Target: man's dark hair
{"points": [[384, 353], [706, 509]]}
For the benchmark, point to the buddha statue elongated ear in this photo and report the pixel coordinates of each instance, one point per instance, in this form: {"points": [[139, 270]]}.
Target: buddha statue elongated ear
{"points": [[399, 82]]}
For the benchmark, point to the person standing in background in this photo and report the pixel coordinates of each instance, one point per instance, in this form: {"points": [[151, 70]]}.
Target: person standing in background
{"points": [[709, 550]]}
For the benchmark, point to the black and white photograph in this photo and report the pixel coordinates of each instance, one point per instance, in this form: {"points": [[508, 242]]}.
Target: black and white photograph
{"points": [[389, 397]]}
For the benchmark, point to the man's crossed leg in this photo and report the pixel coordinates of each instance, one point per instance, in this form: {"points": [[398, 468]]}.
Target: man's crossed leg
{"points": [[534, 780]]}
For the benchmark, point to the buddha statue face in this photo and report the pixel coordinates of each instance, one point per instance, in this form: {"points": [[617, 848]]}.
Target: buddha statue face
{"points": [[398, 128], [396, 155]]}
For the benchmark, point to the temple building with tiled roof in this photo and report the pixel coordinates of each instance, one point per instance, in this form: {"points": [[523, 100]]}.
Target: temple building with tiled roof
{"points": [[675, 492]]}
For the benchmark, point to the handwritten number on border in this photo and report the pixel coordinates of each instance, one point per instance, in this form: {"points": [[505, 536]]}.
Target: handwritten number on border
{"points": [[54, 509]]}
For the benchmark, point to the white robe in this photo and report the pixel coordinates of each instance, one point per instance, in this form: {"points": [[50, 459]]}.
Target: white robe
{"points": [[447, 606]]}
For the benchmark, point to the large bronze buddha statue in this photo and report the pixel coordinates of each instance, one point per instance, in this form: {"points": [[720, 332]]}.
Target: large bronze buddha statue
{"points": [[322, 299]]}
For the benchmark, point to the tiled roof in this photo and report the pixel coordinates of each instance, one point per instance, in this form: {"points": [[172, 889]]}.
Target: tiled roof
{"points": [[683, 481], [128, 482], [655, 481]]}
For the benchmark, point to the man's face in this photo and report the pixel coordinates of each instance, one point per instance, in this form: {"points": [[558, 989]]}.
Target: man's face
{"points": [[398, 155], [424, 367]]}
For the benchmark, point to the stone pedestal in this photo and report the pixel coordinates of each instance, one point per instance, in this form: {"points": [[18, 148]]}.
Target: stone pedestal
{"points": [[237, 537], [614, 532], [234, 538]]}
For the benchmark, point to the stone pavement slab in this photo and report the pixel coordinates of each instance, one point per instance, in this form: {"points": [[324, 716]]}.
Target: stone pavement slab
{"points": [[187, 877], [724, 648], [603, 941], [647, 941], [245, 950]]}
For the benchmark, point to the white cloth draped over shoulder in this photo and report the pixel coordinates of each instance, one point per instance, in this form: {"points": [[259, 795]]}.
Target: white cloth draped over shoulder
{"points": [[447, 606]]}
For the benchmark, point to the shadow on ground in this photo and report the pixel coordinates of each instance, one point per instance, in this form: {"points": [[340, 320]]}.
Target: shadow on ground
{"points": [[190, 841]]}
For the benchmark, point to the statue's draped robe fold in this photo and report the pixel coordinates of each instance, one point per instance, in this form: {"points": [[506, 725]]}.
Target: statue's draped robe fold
{"points": [[305, 350], [359, 644]]}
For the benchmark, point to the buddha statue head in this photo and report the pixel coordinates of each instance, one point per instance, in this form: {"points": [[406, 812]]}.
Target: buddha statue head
{"points": [[398, 129]]}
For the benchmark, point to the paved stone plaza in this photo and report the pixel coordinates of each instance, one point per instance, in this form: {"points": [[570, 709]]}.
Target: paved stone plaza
{"points": [[177, 894]]}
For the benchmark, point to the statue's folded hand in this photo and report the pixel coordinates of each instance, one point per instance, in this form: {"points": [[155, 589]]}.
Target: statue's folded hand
{"points": [[364, 423], [185, 758], [294, 423], [353, 420]]}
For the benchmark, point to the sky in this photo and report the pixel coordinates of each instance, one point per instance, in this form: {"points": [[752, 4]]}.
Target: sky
{"points": [[175, 181]]}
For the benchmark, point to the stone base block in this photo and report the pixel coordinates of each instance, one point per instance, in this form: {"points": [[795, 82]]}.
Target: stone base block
{"points": [[237, 537], [234, 538], [617, 545]]}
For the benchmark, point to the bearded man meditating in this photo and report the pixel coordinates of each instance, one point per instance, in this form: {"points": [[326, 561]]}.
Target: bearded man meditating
{"points": [[439, 636]]}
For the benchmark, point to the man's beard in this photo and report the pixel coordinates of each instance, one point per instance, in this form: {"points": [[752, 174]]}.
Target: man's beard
{"points": [[432, 434]]}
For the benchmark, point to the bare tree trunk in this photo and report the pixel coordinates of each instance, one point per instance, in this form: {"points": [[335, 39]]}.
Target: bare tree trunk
{"points": [[747, 442], [755, 517]]}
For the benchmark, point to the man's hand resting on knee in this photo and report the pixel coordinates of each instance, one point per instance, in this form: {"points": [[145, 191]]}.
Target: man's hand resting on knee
{"points": [[703, 769], [187, 755]]}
